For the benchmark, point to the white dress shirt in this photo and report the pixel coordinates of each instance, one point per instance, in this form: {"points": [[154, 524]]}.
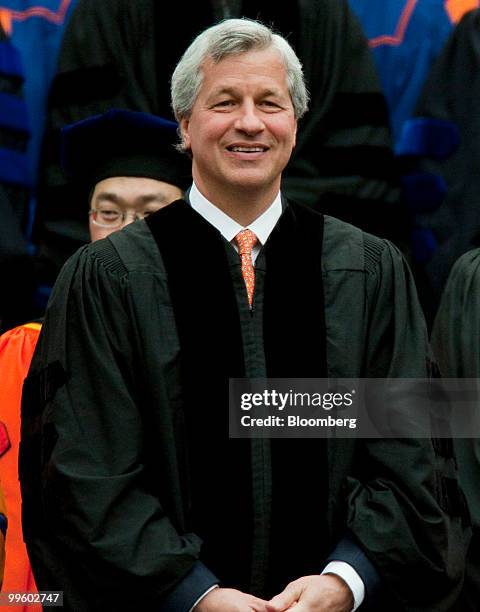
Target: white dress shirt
{"points": [[229, 228], [262, 227]]}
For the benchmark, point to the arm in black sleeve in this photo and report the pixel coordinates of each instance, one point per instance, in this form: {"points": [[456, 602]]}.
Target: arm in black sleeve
{"points": [[101, 495]]}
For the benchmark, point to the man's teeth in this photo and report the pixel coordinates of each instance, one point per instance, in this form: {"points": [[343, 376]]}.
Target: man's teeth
{"points": [[248, 149]]}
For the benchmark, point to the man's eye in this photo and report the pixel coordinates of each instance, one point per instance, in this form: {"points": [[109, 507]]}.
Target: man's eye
{"points": [[270, 104], [224, 103], [109, 215]]}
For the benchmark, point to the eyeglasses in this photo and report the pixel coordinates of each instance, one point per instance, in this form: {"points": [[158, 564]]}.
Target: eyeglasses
{"points": [[107, 217]]}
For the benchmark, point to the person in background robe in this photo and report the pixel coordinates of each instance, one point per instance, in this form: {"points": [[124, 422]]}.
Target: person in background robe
{"points": [[455, 342], [125, 163], [133, 493]]}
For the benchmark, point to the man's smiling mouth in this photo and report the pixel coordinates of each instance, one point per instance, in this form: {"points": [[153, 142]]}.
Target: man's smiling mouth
{"points": [[240, 149]]}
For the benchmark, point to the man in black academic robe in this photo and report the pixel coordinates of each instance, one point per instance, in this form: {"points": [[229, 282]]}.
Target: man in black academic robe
{"points": [[455, 342], [133, 492]]}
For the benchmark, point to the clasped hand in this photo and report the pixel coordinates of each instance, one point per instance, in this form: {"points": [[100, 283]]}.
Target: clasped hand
{"points": [[318, 593]]}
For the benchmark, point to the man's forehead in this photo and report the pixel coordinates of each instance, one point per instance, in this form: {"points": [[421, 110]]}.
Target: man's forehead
{"points": [[139, 189], [269, 55], [234, 89], [229, 74]]}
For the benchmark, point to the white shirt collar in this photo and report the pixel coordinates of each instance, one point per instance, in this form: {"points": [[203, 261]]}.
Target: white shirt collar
{"points": [[228, 227]]}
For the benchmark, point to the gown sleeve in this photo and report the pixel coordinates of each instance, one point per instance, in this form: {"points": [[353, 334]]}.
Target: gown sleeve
{"points": [[97, 493], [403, 502]]}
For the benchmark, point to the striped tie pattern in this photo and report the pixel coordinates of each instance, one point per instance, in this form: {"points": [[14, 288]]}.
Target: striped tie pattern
{"points": [[246, 240]]}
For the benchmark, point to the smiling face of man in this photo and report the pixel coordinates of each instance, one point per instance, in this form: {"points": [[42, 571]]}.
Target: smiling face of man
{"points": [[242, 128]]}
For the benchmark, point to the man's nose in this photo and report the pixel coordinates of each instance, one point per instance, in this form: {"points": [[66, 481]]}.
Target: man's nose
{"points": [[130, 217], [249, 119]]}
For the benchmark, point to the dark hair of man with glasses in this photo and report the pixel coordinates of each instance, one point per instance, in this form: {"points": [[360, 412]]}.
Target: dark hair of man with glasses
{"points": [[126, 163]]}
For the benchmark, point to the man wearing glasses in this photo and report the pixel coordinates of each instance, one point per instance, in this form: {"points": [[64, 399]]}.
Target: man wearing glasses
{"points": [[126, 166]]}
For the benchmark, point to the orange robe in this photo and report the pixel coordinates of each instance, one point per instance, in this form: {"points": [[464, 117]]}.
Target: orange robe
{"points": [[16, 350], [2, 539]]}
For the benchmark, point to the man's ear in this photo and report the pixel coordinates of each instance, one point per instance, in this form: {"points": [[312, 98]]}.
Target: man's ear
{"points": [[295, 135], [184, 130]]}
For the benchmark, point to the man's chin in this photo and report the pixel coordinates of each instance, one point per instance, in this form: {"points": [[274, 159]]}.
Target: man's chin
{"points": [[250, 181]]}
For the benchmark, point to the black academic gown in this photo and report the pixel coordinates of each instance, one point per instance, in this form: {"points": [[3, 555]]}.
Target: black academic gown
{"points": [[127, 472], [455, 341]]}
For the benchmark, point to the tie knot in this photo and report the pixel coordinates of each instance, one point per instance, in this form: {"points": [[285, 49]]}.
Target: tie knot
{"points": [[245, 240]]}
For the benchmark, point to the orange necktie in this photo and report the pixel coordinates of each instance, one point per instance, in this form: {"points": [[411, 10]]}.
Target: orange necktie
{"points": [[246, 240]]}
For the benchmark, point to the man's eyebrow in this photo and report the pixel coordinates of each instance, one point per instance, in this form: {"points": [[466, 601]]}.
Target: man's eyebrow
{"points": [[107, 196], [272, 92], [223, 90], [152, 197]]}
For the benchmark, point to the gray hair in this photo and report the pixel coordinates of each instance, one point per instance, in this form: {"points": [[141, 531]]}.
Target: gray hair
{"points": [[233, 37]]}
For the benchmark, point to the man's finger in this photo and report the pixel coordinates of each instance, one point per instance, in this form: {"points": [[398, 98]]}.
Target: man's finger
{"points": [[294, 606], [285, 599], [258, 606]]}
